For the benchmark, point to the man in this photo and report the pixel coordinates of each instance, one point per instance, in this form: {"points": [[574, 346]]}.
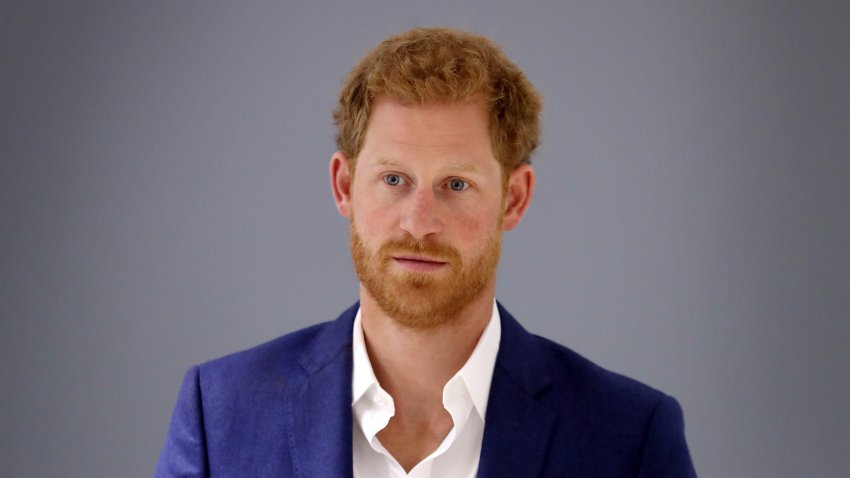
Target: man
{"points": [[427, 375]]}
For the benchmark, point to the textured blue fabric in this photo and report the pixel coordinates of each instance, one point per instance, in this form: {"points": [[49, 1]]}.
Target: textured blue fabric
{"points": [[283, 409]]}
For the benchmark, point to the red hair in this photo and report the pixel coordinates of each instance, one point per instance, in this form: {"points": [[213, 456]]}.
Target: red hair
{"points": [[427, 65]]}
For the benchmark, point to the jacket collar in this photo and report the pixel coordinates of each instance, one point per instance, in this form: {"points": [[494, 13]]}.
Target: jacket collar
{"points": [[520, 356], [517, 429], [319, 403]]}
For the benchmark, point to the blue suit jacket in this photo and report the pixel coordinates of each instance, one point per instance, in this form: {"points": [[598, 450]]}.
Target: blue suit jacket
{"points": [[283, 409]]}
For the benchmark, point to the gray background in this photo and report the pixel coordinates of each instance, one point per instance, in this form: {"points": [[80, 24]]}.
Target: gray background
{"points": [[164, 200]]}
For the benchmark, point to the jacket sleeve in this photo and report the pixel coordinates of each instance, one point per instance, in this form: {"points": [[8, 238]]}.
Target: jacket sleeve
{"points": [[665, 451], [184, 454]]}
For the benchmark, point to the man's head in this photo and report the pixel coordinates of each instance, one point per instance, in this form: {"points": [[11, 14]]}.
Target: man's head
{"points": [[438, 65], [440, 126]]}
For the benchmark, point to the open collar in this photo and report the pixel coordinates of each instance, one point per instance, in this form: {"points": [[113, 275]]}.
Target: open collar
{"points": [[319, 417]]}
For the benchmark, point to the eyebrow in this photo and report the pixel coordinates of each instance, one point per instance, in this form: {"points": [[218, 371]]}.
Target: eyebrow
{"points": [[383, 161], [454, 166]]}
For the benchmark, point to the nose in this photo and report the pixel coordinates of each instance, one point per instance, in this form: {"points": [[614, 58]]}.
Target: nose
{"points": [[420, 217]]}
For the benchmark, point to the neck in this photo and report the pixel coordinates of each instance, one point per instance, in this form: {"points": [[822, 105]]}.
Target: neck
{"points": [[413, 365]]}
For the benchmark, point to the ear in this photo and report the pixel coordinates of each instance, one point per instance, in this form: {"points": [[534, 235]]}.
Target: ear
{"points": [[518, 195], [341, 183]]}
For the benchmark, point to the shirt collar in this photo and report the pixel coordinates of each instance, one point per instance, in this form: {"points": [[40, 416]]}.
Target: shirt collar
{"points": [[476, 374], [362, 377]]}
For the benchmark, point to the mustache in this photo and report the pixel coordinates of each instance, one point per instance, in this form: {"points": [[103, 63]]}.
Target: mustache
{"points": [[409, 245]]}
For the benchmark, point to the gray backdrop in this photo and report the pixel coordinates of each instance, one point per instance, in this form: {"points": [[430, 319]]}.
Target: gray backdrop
{"points": [[164, 200]]}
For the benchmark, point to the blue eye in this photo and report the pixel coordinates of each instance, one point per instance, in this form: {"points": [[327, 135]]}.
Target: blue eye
{"points": [[392, 179], [458, 184]]}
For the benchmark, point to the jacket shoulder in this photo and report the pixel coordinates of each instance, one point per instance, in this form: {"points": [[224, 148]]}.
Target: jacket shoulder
{"points": [[288, 354], [585, 380], [230, 417], [279, 353], [614, 419]]}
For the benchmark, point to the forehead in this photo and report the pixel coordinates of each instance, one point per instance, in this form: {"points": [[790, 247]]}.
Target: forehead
{"points": [[456, 127]]}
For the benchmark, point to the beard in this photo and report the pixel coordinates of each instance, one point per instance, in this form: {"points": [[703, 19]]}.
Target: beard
{"points": [[421, 300]]}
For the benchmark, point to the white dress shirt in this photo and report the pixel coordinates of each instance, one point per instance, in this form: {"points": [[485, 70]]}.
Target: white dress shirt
{"points": [[464, 397]]}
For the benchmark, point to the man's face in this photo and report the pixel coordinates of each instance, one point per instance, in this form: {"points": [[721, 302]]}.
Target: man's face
{"points": [[426, 210]]}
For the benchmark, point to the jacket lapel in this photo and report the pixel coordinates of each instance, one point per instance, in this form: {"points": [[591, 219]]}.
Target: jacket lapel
{"points": [[517, 428], [319, 404]]}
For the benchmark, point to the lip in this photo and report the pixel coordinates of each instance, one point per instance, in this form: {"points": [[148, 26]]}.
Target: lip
{"points": [[418, 263]]}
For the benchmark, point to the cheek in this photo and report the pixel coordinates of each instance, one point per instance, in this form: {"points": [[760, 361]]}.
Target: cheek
{"points": [[470, 228], [370, 221], [369, 209], [473, 229]]}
